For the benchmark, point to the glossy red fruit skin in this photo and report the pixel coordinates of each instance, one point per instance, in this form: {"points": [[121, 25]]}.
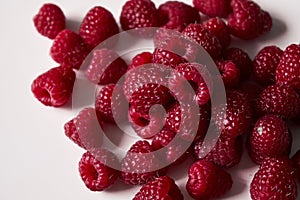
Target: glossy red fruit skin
{"points": [[279, 100], [97, 26], [140, 59], [274, 180], [167, 58], [270, 137], [296, 162], [177, 15], [207, 180], [160, 188], [96, 169], [230, 73], [265, 64], [54, 87], [50, 20], [213, 8]]}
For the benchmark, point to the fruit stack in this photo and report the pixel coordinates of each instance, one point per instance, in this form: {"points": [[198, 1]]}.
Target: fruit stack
{"points": [[262, 95]]}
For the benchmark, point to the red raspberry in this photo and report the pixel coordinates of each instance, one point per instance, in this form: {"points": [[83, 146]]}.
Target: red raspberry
{"points": [[106, 67], [96, 169], [108, 106], [206, 39], [296, 162], [97, 26], [54, 87], [180, 119], [189, 73], [146, 125], [177, 15], [213, 8], [140, 59], [50, 20], [227, 152], [207, 180], [238, 115], [242, 61], [274, 180], [230, 73], [252, 90], [265, 64], [279, 100], [165, 57], [84, 129], [139, 14], [69, 49], [218, 28], [269, 138], [288, 70], [139, 165], [248, 20], [160, 188], [162, 139]]}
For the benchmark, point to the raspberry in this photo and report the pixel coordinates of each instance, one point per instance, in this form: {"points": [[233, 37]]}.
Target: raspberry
{"points": [[139, 165], [177, 15], [288, 70], [238, 115], [106, 67], [218, 28], [207, 180], [230, 73], [160, 188], [265, 64], [274, 180], [95, 169], [162, 139], [108, 106], [139, 14], [165, 57], [206, 39], [242, 61], [97, 26], [227, 152], [140, 59], [213, 8], [54, 87], [251, 90], [296, 162], [180, 119], [248, 20], [269, 138], [69, 49], [279, 100], [50, 20], [84, 129]]}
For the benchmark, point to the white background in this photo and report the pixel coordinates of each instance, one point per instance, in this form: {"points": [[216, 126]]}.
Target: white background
{"points": [[37, 160]]}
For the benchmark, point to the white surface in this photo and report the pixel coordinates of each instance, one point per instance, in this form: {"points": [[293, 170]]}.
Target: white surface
{"points": [[37, 160]]}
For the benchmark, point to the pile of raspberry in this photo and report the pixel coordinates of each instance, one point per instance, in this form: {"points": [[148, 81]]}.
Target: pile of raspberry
{"points": [[262, 97]]}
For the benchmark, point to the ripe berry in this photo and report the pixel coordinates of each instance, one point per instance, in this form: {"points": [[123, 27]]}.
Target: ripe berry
{"points": [[274, 180], [160, 188], [265, 64], [168, 58], [296, 162], [139, 165], [84, 129], [177, 15], [162, 139], [207, 181], [206, 39], [288, 70], [97, 26], [54, 87], [230, 73], [96, 169], [227, 151], [50, 20], [238, 115], [106, 67], [213, 8], [139, 14], [140, 59], [218, 28], [270, 137], [242, 61], [279, 100], [69, 49], [248, 20]]}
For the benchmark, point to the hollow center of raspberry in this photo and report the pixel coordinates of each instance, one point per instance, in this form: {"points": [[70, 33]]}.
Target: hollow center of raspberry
{"points": [[44, 93], [194, 85], [142, 122], [92, 172]]}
